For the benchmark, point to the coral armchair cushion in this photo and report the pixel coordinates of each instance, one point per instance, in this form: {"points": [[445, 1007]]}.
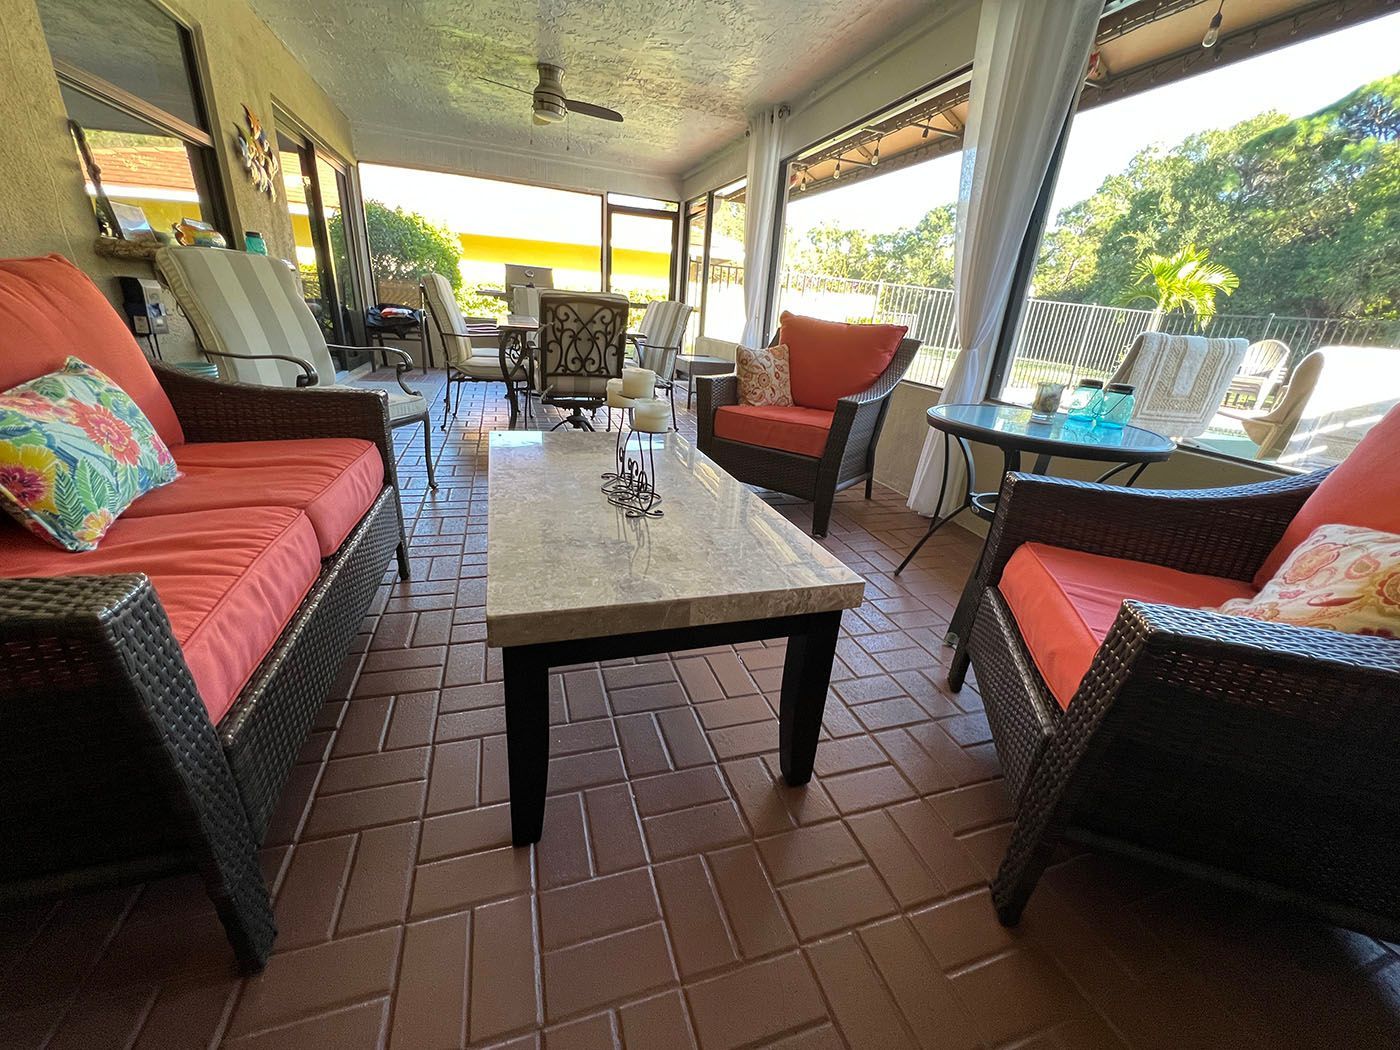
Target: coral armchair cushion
{"points": [[1364, 491], [1065, 601], [230, 581], [50, 311], [831, 360], [334, 480], [788, 428]]}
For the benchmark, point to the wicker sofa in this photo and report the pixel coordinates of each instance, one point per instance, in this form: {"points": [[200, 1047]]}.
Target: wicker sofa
{"points": [[806, 451], [1257, 754], [157, 690]]}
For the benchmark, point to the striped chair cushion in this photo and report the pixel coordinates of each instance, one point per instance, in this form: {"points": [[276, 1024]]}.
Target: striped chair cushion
{"points": [[247, 304], [446, 322]]}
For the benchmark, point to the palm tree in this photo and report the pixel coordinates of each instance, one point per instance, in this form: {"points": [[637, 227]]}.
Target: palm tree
{"points": [[1186, 280]]}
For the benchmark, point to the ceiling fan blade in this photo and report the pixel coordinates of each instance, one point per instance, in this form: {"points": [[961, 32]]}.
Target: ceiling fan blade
{"points": [[512, 87], [588, 109]]}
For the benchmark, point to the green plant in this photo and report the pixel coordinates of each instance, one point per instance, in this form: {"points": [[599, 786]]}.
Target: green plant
{"points": [[1184, 280], [403, 246]]}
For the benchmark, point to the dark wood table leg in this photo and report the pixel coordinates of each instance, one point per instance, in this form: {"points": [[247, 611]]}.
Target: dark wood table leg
{"points": [[806, 675], [527, 741]]}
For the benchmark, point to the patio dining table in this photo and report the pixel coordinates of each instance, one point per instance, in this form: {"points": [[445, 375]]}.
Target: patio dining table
{"points": [[517, 359], [1011, 429]]}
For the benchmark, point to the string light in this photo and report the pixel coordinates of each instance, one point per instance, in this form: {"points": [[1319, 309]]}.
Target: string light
{"points": [[1213, 30]]}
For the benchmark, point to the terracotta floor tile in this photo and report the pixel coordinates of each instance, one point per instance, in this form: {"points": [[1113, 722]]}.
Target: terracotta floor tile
{"points": [[615, 830], [504, 969], [867, 788], [679, 790], [935, 1016], [694, 830], [380, 875], [469, 831], [393, 804], [761, 800], [659, 1022], [430, 1003], [699, 933], [826, 903], [895, 859], [863, 1008], [310, 893], [610, 969], [961, 930], [755, 916], [561, 855], [810, 851], [448, 885], [374, 770], [354, 1028], [598, 1032], [1016, 994], [740, 710], [754, 1002], [588, 910]]}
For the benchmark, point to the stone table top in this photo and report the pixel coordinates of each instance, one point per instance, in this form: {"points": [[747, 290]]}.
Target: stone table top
{"points": [[562, 563]]}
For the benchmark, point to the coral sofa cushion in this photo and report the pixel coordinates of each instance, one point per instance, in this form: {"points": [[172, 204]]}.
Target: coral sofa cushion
{"points": [[49, 311], [334, 480], [75, 451], [1363, 490], [1065, 601], [230, 581], [1342, 577], [831, 360], [789, 429]]}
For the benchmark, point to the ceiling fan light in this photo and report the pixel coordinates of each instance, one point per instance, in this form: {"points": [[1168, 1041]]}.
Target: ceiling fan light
{"points": [[548, 110]]}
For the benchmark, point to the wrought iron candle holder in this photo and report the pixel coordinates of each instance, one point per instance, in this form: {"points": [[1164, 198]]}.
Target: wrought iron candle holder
{"points": [[632, 486]]}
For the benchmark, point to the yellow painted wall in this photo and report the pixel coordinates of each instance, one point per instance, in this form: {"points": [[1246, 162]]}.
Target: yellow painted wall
{"points": [[482, 248]]}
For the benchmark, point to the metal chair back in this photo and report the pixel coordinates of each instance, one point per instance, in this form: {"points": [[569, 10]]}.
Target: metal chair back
{"points": [[581, 343]]}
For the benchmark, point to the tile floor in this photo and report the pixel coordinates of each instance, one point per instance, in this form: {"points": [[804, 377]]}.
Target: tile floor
{"points": [[680, 898]]}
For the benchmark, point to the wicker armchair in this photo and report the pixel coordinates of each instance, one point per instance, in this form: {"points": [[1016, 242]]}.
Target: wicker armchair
{"points": [[849, 456], [1259, 755], [112, 770]]}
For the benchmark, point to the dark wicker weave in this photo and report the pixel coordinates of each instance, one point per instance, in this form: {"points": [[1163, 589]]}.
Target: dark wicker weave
{"points": [[850, 445], [111, 769], [1255, 754]]}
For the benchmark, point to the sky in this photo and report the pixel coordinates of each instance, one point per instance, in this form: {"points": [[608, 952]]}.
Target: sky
{"points": [[1295, 80]]}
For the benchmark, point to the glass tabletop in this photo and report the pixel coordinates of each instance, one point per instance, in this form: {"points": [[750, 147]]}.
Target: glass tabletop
{"points": [[1011, 426]]}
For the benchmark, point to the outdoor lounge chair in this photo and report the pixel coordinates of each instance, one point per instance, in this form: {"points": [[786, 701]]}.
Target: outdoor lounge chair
{"points": [[810, 451], [1130, 716], [251, 319], [1264, 367]]}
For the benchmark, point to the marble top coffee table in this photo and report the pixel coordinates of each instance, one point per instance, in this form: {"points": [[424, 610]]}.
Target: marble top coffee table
{"points": [[570, 579]]}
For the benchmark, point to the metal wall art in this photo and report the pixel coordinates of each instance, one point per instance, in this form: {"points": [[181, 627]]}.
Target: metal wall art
{"points": [[259, 158]]}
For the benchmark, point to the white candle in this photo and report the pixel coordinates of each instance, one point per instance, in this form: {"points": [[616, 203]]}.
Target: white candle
{"points": [[616, 399], [638, 382], [651, 415]]}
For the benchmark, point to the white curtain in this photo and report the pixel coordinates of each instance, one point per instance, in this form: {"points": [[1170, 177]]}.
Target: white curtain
{"points": [[1027, 71], [760, 207]]}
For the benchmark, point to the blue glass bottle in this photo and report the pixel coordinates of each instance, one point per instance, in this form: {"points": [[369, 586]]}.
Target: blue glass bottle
{"points": [[1117, 406], [1086, 402]]}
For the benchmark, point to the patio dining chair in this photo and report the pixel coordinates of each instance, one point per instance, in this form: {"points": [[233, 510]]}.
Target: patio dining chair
{"points": [[581, 343], [461, 357], [662, 330], [251, 319]]}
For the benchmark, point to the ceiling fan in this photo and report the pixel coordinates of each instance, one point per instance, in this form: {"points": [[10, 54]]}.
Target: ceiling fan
{"points": [[548, 101]]}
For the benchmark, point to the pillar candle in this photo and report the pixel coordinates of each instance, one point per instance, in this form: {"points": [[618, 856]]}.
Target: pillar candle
{"points": [[616, 399], [638, 382], [651, 415]]}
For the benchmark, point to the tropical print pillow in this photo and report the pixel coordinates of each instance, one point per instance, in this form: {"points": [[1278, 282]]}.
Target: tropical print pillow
{"points": [[75, 452], [765, 377], [1341, 577]]}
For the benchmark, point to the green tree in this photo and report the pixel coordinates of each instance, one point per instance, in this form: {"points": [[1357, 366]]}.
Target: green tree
{"points": [[1184, 280], [403, 246]]}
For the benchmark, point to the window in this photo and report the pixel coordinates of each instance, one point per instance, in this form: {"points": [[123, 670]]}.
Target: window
{"points": [[869, 224], [714, 254], [317, 184], [1255, 200], [128, 81], [641, 239], [470, 229]]}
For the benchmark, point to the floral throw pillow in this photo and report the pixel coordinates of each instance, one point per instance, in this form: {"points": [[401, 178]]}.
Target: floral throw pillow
{"points": [[1342, 577], [764, 376], [76, 451]]}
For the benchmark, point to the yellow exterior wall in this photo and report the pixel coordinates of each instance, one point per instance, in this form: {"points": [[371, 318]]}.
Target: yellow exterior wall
{"points": [[481, 248]]}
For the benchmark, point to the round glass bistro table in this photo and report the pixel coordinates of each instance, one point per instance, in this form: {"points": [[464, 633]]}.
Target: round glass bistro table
{"points": [[1011, 429]]}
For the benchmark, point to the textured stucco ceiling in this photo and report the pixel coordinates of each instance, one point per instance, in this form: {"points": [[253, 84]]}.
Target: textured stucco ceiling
{"points": [[682, 72]]}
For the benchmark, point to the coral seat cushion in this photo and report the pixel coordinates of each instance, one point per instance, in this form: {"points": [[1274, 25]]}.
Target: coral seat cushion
{"points": [[1364, 490], [830, 360], [786, 428], [334, 480], [50, 311], [230, 581], [1065, 601]]}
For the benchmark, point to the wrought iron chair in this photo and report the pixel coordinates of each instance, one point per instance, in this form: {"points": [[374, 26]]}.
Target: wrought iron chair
{"points": [[582, 341], [250, 317], [1256, 754]]}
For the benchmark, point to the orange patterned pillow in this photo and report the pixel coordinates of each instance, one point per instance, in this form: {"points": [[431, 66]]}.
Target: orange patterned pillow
{"points": [[764, 376], [1341, 577]]}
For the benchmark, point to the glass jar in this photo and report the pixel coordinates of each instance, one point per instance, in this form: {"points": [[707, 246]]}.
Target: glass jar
{"points": [[1117, 406], [1086, 402]]}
